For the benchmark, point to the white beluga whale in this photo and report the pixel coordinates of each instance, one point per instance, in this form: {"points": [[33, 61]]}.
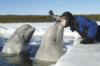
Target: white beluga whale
{"points": [[51, 47], [19, 40], [81, 55], [15, 51]]}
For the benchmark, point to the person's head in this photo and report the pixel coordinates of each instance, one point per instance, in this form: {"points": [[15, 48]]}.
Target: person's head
{"points": [[67, 18]]}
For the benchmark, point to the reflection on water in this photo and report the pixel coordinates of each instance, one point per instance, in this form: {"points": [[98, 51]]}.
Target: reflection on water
{"points": [[42, 63], [21, 61], [24, 59]]}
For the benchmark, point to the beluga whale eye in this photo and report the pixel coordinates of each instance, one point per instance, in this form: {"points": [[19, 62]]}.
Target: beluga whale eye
{"points": [[23, 36]]}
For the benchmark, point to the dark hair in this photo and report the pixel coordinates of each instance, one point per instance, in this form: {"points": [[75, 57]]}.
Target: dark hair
{"points": [[70, 19]]}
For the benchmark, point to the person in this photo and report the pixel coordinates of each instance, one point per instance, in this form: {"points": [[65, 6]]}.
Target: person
{"points": [[88, 29]]}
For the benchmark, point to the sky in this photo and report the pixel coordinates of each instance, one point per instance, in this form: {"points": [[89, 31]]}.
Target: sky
{"points": [[41, 7]]}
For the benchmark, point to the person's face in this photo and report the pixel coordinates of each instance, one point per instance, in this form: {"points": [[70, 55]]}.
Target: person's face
{"points": [[63, 21]]}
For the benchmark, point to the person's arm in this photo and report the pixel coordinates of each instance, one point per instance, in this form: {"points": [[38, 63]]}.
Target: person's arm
{"points": [[90, 34], [83, 26], [92, 30], [82, 30]]}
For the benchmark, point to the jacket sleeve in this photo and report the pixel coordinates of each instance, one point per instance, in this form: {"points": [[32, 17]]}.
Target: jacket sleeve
{"points": [[92, 30]]}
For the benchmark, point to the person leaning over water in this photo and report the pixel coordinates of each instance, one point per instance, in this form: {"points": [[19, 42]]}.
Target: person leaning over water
{"points": [[88, 29]]}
